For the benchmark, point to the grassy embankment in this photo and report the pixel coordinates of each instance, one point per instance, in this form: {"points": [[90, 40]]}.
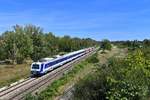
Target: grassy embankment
{"points": [[13, 73], [78, 72]]}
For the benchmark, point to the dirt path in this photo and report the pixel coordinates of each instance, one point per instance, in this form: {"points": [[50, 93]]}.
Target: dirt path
{"points": [[114, 52]]}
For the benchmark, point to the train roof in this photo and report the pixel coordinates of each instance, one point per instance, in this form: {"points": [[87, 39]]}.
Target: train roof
{"points": [[45, 59], [73, 52]]}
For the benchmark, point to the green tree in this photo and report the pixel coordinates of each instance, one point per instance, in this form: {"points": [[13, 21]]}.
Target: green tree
{"points": [[146, 43], [106, 45], [30, 41], [10, 45], [51, 43], [38, 47], [65, 44], [135, 45], [38, 43], [18, 45], [3, 53], [23, 43]]}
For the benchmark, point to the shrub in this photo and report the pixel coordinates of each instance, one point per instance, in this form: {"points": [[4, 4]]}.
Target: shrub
{"points": [[106, 45], [93, 59], [119, 79]]}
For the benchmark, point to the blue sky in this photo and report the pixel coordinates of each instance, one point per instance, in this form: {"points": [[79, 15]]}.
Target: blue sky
{"points": [[97, 19]]}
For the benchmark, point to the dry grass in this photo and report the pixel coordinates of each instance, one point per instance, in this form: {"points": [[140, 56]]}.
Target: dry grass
{"points": [[114, 52], [12, 73]]}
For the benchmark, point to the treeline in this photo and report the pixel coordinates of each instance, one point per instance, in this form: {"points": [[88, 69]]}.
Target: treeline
{"points": [[132, 45], [30, 42]]}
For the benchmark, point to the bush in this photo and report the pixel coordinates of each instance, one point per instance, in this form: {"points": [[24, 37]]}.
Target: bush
{"points": [[93, 59], [106, 45], [119, 79]]}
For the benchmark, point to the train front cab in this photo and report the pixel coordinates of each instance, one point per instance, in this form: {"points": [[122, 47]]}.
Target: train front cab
{"points": [[36, 69]]}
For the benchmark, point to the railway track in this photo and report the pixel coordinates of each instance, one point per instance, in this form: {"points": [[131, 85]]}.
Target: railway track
{"points": [[18, 91], [11, 88]]}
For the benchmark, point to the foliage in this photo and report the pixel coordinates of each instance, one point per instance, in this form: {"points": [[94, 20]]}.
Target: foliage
{"points": [[30, 97], [106, 45], [17, 44], [93, 59], [146, 42], [30, 42], [3, 54], [133, 45], [119, 79]]}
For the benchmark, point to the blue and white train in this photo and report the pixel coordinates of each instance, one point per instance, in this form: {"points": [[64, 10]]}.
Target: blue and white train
{"points": [[43, 66]]}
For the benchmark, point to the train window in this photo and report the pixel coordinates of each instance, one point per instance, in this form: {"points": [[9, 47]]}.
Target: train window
{"points": [[35, 66]]}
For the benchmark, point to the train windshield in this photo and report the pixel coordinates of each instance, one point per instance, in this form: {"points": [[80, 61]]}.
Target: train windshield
{"points": [[35, 66]]}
